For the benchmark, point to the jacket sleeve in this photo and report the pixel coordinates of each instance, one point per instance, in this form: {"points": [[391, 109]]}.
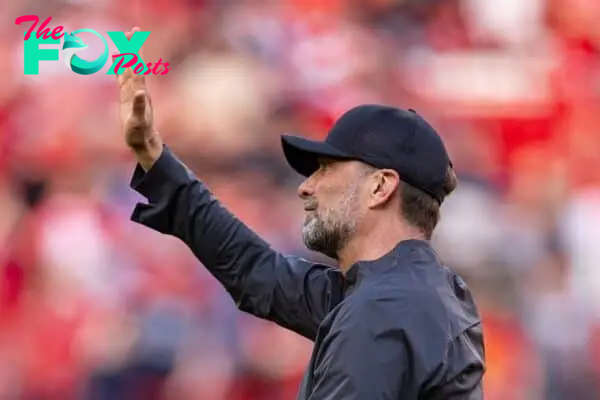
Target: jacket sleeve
{"points": [[289, 291]]}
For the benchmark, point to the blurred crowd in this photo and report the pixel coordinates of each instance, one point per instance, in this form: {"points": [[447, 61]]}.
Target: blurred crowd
{"points": [[93, 306]]}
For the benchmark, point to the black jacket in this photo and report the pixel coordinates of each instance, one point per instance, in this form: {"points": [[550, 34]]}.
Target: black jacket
{"points": [[402, 327]]}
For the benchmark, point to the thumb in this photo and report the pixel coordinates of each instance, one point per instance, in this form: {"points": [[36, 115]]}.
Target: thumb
{"points": [[139, 103]]}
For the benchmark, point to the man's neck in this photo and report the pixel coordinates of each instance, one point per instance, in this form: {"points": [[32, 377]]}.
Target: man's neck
{"points": [[374, 245]]}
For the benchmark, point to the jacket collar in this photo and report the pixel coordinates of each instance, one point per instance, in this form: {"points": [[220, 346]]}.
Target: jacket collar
{"points": [[365, 269]]}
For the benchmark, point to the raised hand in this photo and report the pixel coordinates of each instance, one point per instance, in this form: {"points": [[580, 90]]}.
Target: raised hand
{"points": [[137, 118]]}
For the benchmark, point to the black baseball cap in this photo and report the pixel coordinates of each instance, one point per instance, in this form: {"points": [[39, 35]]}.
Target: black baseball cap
{"points": [[383, 137]]}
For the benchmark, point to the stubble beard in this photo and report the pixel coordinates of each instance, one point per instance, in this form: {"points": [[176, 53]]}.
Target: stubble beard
{"points": [[330, 230]]}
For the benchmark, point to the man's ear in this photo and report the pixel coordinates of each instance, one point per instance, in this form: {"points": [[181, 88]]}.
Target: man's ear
{"points": [[383, 187]]}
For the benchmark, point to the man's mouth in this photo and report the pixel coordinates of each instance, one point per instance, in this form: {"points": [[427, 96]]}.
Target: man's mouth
{"points": [[310, 205]]}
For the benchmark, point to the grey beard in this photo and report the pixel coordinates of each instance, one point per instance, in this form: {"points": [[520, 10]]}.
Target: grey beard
{"points": [[328, 240]]}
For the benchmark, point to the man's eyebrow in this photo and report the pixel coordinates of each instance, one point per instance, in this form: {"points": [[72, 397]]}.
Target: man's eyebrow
{"points": [[325, 160]]}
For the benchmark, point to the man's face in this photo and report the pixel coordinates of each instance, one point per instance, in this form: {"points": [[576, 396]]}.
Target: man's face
{"points": [[332, 202]]}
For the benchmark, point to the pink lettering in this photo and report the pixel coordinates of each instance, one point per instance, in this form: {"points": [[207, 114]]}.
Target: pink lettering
{"points": [[28, 18], [42, 30], [139, 68], [167, 69], [148, 71], [129, 64], [155, 70], [56, 30]]}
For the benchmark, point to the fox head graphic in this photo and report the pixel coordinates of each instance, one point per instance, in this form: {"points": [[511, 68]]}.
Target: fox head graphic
{"points": [[72, 45]]}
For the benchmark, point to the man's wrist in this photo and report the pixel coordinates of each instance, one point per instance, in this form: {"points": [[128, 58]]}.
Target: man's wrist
{"points": [[150, 152]]}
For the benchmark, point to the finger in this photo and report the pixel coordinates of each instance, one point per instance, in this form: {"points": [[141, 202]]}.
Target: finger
{"points": [[139, 80], [139, 103], [129, 77], [129, 34], [134, 30], [120, 78], [124, 79]]}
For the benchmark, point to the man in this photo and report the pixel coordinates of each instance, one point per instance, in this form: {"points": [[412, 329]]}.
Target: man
{"points": [[390, 322]]}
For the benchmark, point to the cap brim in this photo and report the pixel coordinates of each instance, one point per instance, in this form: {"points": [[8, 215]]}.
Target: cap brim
{"points": [[303, 154]]}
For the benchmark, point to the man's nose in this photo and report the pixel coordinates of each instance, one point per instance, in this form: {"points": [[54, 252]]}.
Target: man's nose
{"points": [[306, 188]]}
